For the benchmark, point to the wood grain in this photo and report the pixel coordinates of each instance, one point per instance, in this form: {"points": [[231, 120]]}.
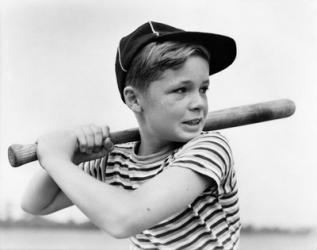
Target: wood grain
{"points": [[227, 118]]}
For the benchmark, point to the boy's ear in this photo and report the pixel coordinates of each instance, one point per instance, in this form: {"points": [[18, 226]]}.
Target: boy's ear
{"points": [[131, 96]]}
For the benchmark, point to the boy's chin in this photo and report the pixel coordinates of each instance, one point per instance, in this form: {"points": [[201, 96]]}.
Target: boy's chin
{"points": [[188, 136]]}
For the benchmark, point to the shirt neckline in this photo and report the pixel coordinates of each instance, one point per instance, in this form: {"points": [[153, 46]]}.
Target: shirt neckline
{"points": [[151, 157]]}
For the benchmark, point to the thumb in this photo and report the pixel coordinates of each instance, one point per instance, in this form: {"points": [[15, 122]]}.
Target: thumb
{"points": [[108, 144]]}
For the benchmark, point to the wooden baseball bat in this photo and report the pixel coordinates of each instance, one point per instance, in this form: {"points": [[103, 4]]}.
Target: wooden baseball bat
{"points": [[226, 118]]}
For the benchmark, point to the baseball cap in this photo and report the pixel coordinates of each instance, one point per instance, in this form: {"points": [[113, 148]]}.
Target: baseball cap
{"points": [[222, 49]]}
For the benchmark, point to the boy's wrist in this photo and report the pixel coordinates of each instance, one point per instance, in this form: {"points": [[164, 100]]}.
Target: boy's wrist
{"points": [[56, 146], [55, 160]]}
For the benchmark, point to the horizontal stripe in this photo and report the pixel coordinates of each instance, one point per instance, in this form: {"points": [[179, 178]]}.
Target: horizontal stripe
{"points": [[222, 141], [127, 167], [117, 183], [230, 195], [206, 206], [233, 213], [180, 227], [172, 220], [206, 246], [230, 241], [193, 241], [212, 220], [235, 202], [212, 162], [185, 234], [226, 150], [208, 149], [120, 155], [127, 177], [214, 146], [140, 246], [197, 164]]}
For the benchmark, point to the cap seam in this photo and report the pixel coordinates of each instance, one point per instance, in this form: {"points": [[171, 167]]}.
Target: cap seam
{"points": [[119, 54], [153, 30]]}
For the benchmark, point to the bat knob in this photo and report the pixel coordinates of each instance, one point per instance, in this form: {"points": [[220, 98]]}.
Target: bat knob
{"points": [[21, 154]]}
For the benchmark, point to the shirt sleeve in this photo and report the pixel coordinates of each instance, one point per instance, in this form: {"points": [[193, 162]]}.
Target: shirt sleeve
{"points": [[208, 154]]}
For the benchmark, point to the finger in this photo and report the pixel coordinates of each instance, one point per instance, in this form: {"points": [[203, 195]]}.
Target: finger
{"points": [[105, 131], [81, 139], [98, 136], [90, 138], [108, 145]]}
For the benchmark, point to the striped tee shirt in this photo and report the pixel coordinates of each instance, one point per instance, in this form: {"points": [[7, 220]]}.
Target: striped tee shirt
{"points": [[212, 220]]}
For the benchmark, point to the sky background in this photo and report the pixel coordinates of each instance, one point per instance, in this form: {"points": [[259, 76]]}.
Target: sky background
{"points": [[57, 71]]}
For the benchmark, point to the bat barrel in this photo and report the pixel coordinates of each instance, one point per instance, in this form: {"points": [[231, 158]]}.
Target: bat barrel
{"points": [[250, 114], [227, 118]]}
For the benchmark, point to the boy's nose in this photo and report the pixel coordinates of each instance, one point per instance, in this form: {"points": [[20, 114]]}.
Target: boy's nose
{"points": [[197, 102]]}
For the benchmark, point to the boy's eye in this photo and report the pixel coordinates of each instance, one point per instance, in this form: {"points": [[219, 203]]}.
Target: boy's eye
{"points": [[180, 90], [204, 89]]}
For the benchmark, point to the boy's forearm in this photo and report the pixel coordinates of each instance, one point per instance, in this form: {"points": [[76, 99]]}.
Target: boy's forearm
{"points": [[103, 204], [40, 193]]}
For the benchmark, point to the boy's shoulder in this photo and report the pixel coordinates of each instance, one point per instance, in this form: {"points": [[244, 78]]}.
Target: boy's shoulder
{"points": [[207, 137], [207, 142]]}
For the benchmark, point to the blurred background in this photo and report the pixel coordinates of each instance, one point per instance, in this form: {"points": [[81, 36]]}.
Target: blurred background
{"points": [[57, 71]]}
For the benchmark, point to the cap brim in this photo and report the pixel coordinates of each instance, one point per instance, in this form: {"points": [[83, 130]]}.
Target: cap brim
{"points": [[222, 49]]}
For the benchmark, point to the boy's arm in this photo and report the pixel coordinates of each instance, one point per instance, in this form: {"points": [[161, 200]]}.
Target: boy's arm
{"points": [[124, 213], [120, 212], [164, 195], [42, 195]]}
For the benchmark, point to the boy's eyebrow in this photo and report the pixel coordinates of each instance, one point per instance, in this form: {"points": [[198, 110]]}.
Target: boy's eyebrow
{"points": [[189, 82], [206, 81]]}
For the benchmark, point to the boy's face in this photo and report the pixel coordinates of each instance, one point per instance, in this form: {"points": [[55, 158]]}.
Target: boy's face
{"points": [[174, 108]]}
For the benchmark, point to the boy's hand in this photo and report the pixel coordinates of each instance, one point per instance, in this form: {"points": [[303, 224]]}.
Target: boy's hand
{"points": [[92, 138], [63, 144]]}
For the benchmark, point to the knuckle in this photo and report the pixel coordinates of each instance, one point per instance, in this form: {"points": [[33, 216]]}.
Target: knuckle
{"points": [[105, 130], [99, 131]]}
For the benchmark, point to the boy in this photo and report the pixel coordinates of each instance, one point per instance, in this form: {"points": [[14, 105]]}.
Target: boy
{"points": [[176, 187]]}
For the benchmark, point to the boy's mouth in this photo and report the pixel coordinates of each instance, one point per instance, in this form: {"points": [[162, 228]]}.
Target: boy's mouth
{"points": [[193, 122]]}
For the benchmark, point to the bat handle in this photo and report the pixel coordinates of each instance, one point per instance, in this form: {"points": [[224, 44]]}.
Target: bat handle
{"points": [[20, 154]]}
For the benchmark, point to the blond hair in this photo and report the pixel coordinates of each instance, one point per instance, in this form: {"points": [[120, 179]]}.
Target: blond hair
{"points": [[151, 62]]}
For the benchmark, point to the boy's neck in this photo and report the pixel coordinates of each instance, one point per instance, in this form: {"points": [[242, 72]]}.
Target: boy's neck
{"points": [[146, 148], [149, 143]]}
